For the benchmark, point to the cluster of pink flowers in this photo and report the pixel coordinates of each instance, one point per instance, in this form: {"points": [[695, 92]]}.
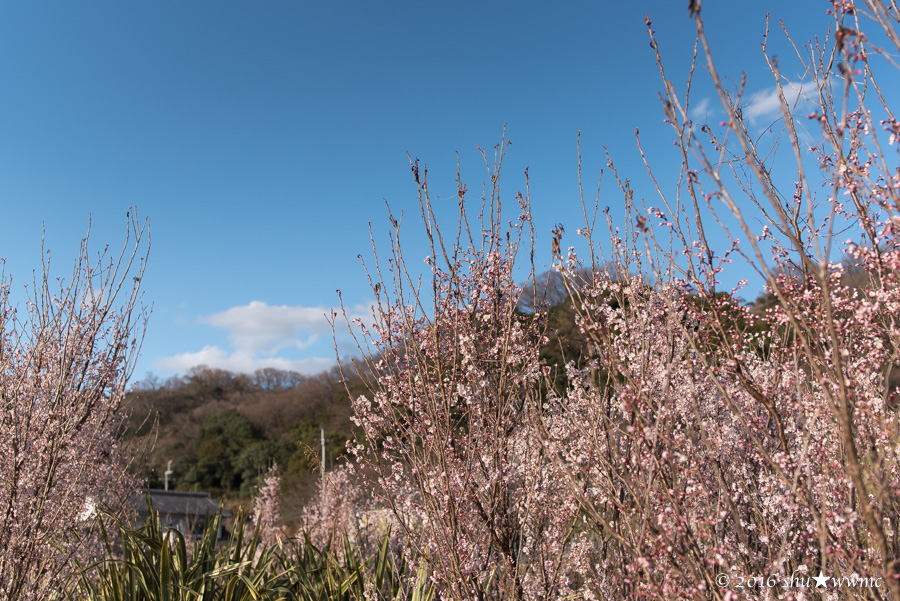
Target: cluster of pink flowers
{"points": [[695, 435], [450, 424], [267, 506], [336, 511], [65, 358]]}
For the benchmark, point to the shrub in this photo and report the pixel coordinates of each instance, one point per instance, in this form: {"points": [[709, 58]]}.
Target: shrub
{"points": [[695, 437], [153, 562], [65, 359]]}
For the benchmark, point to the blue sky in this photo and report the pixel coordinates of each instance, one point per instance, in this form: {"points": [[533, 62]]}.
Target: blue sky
{"points": [[262, 138]]}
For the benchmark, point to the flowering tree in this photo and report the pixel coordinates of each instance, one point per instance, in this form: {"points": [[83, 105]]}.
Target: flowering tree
{"points": [[456, 387], [65, 359], [267, 506], [700, 445], [340, 509], [706, 445]]}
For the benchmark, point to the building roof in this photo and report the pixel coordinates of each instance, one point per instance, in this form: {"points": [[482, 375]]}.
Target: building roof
{"points": [[177, 503]]}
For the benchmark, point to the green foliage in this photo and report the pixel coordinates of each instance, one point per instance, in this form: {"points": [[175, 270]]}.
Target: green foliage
{"points": [[247, 463], [223, 438], [566, 343], [156, 563], [314, 573]]}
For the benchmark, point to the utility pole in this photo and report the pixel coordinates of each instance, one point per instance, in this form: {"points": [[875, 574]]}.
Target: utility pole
{"points": [[323, 454], [168, 473]]}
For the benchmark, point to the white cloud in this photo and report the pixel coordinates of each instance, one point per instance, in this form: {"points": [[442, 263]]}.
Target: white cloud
{"points": [[213, 356], [701, 111], [259, 327], [765, 105], [258, 332]]}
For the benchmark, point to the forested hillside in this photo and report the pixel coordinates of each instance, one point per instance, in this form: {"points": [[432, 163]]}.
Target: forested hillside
{"points": [[221, 429]]}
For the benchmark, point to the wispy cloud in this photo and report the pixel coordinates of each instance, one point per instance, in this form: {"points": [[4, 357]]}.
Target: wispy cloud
{"points": [[260, 335], [701, 111], [765, 105], [237, 361]]}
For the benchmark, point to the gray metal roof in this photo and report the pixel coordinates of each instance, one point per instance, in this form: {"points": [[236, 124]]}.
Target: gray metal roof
{"points": [[176, 503]]}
